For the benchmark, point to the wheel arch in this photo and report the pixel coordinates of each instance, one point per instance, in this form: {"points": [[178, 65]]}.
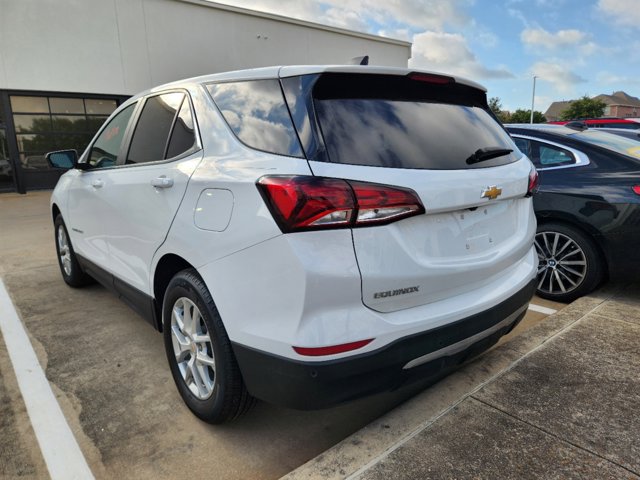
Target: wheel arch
{"points": [[55, 211], [166, 268]]}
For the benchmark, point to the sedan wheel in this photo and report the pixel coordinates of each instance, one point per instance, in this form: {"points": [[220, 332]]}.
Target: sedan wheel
{"points": [[568, 263]]}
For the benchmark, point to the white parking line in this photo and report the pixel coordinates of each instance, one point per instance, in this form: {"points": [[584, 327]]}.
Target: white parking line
{"points": [[541, 309], [59, 448]]}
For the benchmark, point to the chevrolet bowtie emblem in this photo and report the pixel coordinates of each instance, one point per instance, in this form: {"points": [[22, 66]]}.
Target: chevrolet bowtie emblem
{"points": [[491, 192]]}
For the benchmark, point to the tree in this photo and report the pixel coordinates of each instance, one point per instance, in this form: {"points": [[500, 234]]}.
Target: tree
{"points": [[496, 107], [524, 116], [584, 107]]}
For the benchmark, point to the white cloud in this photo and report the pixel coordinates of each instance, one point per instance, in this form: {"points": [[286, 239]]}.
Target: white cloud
{"points": [[539, 37], [559, 75], [449, 53], [355, 14], [624, 12], [609, 78]]}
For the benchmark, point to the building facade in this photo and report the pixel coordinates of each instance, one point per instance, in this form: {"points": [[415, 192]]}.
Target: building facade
{"points": [[82, 58]]}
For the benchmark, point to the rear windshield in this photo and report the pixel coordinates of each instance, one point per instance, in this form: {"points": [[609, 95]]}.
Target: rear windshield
{"points": [[397, 122], [616, 143]]}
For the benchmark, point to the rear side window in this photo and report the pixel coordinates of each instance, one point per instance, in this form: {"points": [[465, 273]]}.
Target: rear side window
{"points": [[149, 141], [399, 122], [256, 112], [183, 135]]}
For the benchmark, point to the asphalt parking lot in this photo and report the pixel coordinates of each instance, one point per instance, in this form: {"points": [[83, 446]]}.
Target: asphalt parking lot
{"points": [[108, 371]]}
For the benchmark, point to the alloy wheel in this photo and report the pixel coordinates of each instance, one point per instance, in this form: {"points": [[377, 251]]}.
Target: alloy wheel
{"points": [[192, 348], [562, 264], [64, 252]]}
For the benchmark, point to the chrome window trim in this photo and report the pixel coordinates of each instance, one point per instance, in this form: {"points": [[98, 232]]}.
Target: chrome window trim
{"points": [[581, 158]]}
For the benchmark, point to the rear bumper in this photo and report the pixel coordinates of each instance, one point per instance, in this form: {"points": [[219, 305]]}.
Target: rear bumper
{"points": [[424, 356]]}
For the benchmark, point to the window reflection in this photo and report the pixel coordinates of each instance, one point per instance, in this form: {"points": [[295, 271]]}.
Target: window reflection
{"points": [[256, 112], [409, 134]]}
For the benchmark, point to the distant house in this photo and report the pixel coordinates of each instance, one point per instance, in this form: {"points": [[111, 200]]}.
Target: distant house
{"points": [[619, 104], [555, 110]]}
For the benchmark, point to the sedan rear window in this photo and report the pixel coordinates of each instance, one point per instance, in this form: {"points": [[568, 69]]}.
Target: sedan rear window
{"points": [[398, 122]]}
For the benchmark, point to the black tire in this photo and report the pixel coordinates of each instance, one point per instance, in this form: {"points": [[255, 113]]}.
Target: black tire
{"points": [[72, 273], [229, 398], [569, 266]]}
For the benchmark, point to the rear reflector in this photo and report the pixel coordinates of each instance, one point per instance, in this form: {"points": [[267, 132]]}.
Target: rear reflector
{"points": [[300, 203], [636, 189], [431, 78], [332, 349]]}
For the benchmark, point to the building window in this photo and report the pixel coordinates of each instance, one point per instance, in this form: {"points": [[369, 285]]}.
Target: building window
{"points": [[44, 124]]}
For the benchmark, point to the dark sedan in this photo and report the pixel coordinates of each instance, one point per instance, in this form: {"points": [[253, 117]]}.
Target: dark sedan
{"points": [[587, 207]]}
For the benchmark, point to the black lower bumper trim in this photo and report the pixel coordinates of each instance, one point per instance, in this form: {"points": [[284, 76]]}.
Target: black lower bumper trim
{"points": [[314, 385]]}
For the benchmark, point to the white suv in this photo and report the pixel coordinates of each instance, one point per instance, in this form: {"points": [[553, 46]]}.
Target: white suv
{"points": [[304, 235]]}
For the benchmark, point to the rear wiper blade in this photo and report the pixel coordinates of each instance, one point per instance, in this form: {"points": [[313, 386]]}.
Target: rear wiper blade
{"points": [[487, 153]]}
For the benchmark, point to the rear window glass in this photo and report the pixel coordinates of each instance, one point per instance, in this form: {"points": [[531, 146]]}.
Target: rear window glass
{"points": [[397, 122], [256, 112], [616, 143]]}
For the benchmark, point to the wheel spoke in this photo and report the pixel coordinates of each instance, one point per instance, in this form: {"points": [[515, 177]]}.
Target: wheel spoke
{"points": [[571, 253], [566, 244], [205, 359], [566, 277], [559, 280], [544, 275], [573, 262], [563, 268], [198, 379], [555, 244]]}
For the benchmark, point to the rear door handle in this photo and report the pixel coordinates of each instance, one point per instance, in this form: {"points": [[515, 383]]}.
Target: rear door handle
{"points": [[97, 183], [162, 182]]}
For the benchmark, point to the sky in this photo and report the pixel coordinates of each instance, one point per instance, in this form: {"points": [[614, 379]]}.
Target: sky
{"points": [[574, 47]]}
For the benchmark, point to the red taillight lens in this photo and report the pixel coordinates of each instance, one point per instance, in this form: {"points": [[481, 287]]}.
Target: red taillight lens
{"points": [[636, 189], [381, 204], [312, 203], [332, 349], [533, 181]]}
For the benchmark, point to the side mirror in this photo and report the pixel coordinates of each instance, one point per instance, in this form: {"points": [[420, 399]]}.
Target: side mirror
{"points": [[64, 159]]}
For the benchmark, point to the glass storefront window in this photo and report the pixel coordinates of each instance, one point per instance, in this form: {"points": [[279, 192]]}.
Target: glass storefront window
{"points": [[99, 107], [21, 104], [66, 105], [44, 124], [32, 123]]}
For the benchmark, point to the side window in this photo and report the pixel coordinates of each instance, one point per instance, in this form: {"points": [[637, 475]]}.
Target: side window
{"points": [[183, 135], [545, 155], [149, 141], [258, 115], [104, 152], [523, 145]]}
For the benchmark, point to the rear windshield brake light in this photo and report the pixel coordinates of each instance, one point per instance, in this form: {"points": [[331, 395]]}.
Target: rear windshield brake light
{"points": [[300, 203], [431, 78]]}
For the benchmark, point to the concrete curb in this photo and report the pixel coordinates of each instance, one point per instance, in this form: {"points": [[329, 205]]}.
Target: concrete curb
{"points": [[367, 446]]}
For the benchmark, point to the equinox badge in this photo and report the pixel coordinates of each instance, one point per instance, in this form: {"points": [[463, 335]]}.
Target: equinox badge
{"points": [[491, 192]]}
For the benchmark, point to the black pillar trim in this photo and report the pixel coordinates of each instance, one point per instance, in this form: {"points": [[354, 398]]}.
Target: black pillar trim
{"points": [[12, 143]]}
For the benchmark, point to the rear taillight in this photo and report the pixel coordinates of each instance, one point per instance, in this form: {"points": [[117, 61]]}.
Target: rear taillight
{"points": [[312, 203], [636, 189], [533, 181]]}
